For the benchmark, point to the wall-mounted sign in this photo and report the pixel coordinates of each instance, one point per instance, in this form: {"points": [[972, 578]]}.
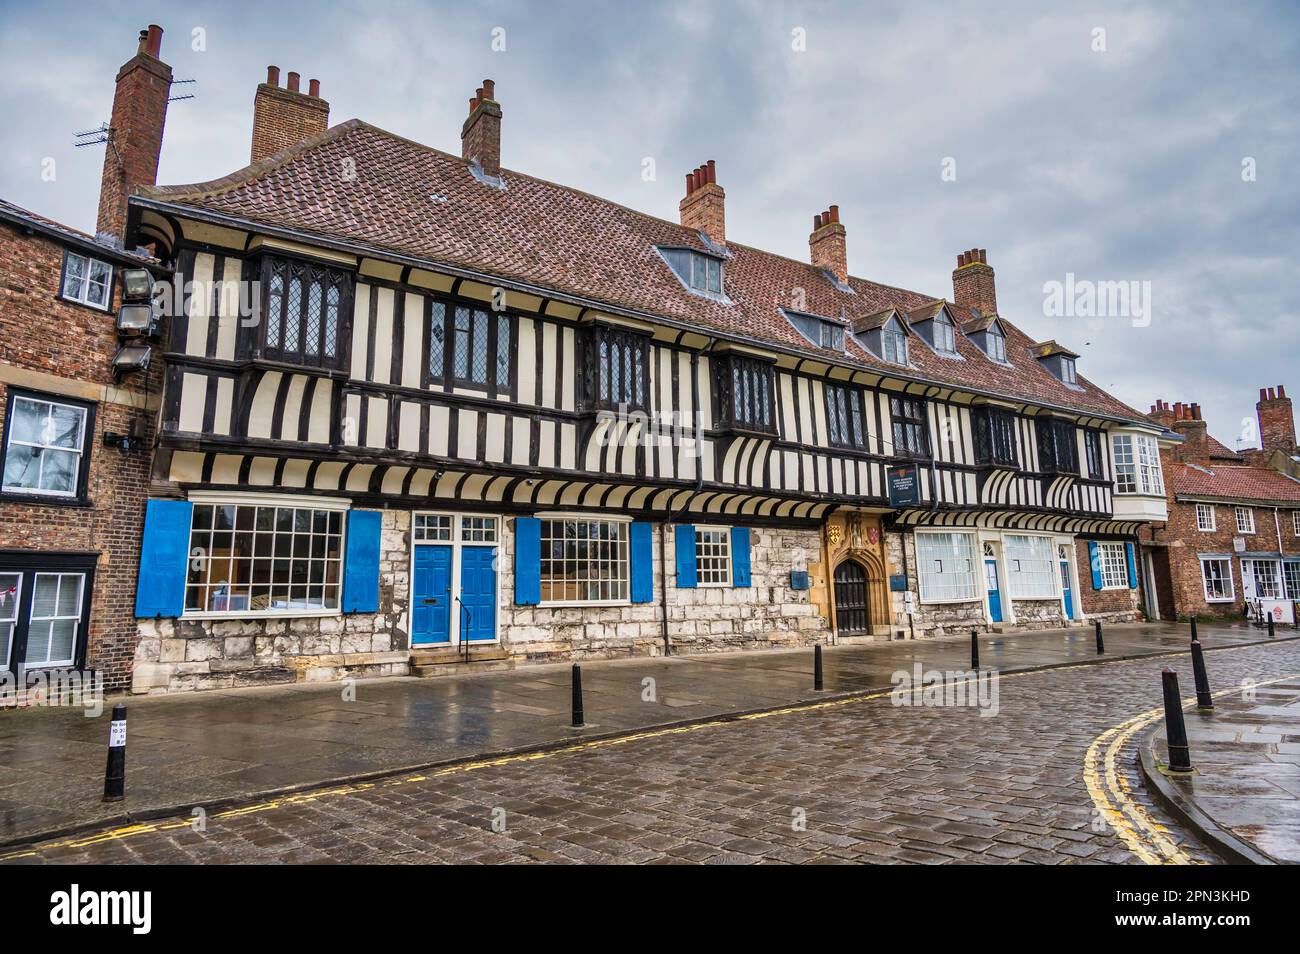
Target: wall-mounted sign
{"points": [[798, 579], [898, 583], [904, 485], [909, 603], [1239, 544]]}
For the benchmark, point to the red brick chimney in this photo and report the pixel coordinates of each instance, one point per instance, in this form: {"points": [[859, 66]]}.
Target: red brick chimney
{"points": [[827, 244], [703, 208], [1195, 448], [135, 138], [1162, 414], [1276, 421], [285, 117], [480, 136], [972, 283]]}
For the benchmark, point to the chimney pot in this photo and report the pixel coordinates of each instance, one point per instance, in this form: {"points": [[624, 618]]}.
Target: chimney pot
{"points": [[294, 79], [1281, 391], [713, 171], [313, 88], [154, 45], [489, 89], [478, 95], [480, 135], [273, 76]]}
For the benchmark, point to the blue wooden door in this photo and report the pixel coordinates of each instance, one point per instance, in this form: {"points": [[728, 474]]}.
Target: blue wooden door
{"points": [[995, 592], [1066, 590], [478, 593], [431, 596]]}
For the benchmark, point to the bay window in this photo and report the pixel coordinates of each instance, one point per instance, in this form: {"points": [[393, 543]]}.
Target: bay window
{"points": [[1031, 566], [946, 567], [1058, 451], [1137, 465], [911, 427], [620, 368], [584, 561], [305, 309], [253, 559], [746, 389], [844, 416], [995, 436]]}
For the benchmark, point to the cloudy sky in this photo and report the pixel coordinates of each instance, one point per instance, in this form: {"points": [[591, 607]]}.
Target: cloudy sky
{"points": [[1123, 142]]}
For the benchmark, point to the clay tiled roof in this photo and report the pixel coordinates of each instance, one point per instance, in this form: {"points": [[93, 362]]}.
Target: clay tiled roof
{"points": [[419, 202], [1233, 482], [25, 218], [1219, 451]]}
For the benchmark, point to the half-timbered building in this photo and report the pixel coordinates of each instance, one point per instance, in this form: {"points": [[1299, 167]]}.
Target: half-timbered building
{"points": [[421, 407]]}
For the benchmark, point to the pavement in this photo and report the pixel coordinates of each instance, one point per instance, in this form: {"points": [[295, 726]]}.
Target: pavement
{"points": [[1243, 796], [221, 747], [1050, 778]]}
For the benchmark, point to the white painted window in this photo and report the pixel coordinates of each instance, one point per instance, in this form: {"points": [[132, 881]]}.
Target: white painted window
{"points": [[1261, 579], [255, 559], [86, 280], [712, 556], [1137, 465], [432, 528], [1216, 574], [478, 529], [55, 617], [946, 567], [584, 561], [46, 442], [1295, 522], [1031, 568], [1245, 520], [1114, 566], [11, 590], [1291, 574], [1205, 517]]}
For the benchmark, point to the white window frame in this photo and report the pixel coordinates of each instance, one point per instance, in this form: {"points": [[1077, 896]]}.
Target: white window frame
{"points": [[1136, 461], [1248, 525], [1227, 575], [1111, 566], [719, 568], [625, 541], [1295, 522], [933, 566], [288, 501], [1205, 518], [1023, 581], [79, 451], [1252, 567], [82, 295], [61, 662]]}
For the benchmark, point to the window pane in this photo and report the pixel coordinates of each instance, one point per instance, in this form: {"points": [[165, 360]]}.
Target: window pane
{"points": [[293, 315], [503, 351], [331, 321], [480, 347], [59, 471], [74, 280], [460, 358], [97, 283], [274, 311], [437, 331]]}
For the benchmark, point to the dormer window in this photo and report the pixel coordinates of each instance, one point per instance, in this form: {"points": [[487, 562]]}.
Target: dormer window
{"points": [[1059, 361], [997, 344], [822, 332], [700, 273], [894, 342], [945, 335], [1067, 371]]}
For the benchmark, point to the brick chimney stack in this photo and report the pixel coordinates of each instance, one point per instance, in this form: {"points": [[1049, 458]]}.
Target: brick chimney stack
{"points": [[285, 117], [480, 136], [827, 244], [703, 208], [972, 283], [1186, 420], [1162, 414], [135, 140], [1276, 421]]}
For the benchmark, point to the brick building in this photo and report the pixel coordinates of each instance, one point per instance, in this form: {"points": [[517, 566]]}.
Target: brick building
{"points": [[1233, 536], [72, 499]]}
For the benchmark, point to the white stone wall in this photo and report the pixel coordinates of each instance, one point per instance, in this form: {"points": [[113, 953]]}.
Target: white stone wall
{"points": [[703, 619], [180, 654]]}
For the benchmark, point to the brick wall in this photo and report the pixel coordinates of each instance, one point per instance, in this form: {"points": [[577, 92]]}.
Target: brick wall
{"points": [[1115, 605], [55, 347]]}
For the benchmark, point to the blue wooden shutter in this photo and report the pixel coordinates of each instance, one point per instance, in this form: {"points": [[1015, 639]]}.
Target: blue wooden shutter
{"points": [[642, 556], [1094, 559], [1132, 566], [361, 562], [685, 556], [528, 561], [740, 556], [164, 558]]}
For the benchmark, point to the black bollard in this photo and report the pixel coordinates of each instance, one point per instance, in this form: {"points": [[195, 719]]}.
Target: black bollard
{"points": [[1180, 756], [1193, 622], [817, 667], [1270, 625], [1101, 646], [115, 770], [974, 650], [1204, 700], [577, 697]]}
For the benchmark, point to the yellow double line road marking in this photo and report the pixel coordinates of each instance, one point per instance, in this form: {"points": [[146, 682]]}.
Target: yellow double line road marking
{"points": [[1112, 796]]}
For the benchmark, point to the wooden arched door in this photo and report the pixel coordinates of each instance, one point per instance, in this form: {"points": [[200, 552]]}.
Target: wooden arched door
{"points": [[852, 608]]}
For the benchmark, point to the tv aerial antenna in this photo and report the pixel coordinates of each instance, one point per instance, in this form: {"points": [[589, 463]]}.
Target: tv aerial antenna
{"points": [[104, 133]]}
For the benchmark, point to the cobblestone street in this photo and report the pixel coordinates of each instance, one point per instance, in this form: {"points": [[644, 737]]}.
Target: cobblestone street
{"points": [[848, 781]]}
